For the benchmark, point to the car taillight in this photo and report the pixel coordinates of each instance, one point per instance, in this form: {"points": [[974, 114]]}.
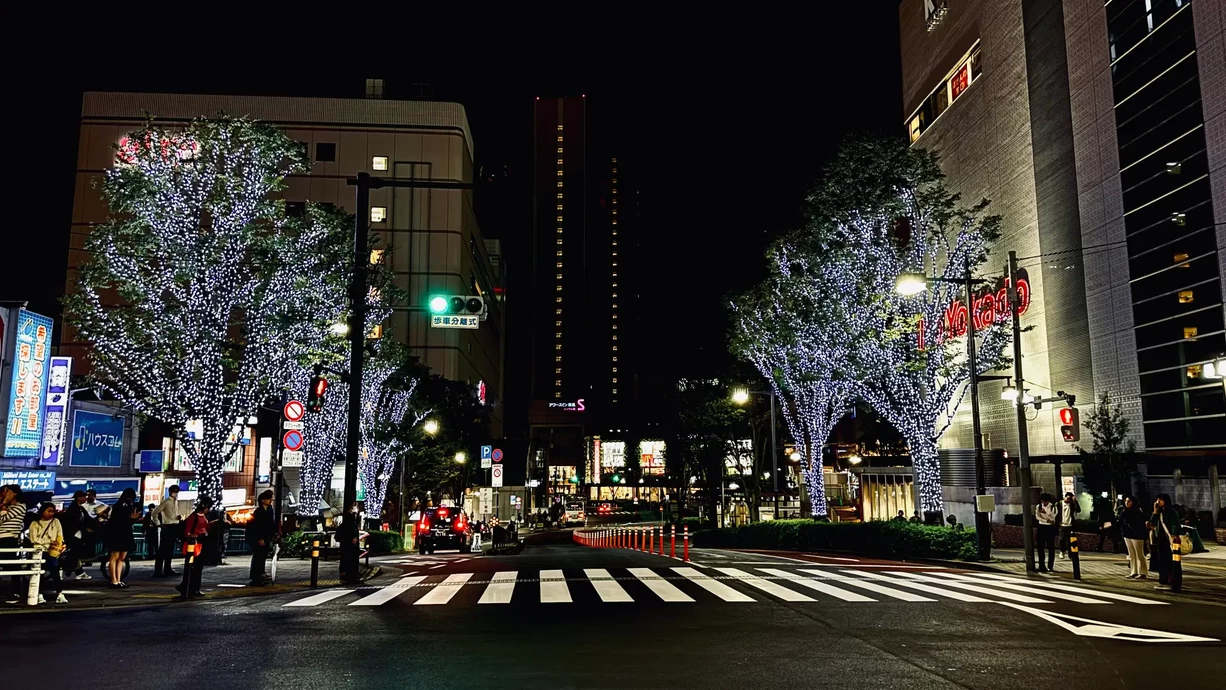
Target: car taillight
{"points": [[423, 525], [442, 512], [459, 525]]}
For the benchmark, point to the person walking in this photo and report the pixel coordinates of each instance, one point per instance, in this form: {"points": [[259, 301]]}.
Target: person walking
{"points": [[261, 535], [47, 534], [1046, 514], [1165, 531], [76, 522], [195, 533], [1131, 522], [12, 524], [1069, 508], [170, 526], [118, 535]]}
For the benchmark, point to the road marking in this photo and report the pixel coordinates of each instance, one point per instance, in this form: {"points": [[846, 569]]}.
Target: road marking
{"points": [[1023, 598], [445, 590], [553, 588], [768, 586], [436, 566], [407, 574], [1075, 598], [231, 586], [1093, 628], [817, 585], [388, 593], [870, 586], [912, 584], [715, 587], [993, 578], [317, 599], [500, 588], [661, 587], [605, 585]]}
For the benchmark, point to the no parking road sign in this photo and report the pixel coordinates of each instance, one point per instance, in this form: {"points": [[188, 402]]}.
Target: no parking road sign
{"points": [[496, 455], [293, 411], [292, 440], [496, 476]]}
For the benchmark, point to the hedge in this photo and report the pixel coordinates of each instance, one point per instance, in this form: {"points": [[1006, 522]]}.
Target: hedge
{"points": [[381, 543], [886, 539]]}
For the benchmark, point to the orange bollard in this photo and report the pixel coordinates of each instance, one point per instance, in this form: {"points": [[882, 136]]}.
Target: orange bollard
{"points": [[661, 540], [685, 545], [651, 540], [672, 542]]}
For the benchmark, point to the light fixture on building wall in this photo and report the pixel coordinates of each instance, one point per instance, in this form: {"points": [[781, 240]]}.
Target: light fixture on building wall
{"points": [[378, 214], [378, 163]]}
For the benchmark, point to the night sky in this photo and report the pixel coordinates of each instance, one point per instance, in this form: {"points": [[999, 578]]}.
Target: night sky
{"points": [[735, 129]]}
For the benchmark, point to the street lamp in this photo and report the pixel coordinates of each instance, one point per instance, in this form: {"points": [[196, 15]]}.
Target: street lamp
{"points": [[795, 456], [431, 426], [461, 457], [854, 459], [910, 284], [339, 329], [740, 396]]}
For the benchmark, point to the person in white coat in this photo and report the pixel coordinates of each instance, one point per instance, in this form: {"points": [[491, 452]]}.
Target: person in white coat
{"points": [[47, 534]]}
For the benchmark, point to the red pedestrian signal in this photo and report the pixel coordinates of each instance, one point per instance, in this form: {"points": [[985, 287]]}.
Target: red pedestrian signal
{"points": [[319, 386], [1070, 424]]}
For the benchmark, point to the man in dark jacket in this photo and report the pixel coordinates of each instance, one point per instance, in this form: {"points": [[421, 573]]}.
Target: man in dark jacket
{"points": [[77, 523], [261, 534]]}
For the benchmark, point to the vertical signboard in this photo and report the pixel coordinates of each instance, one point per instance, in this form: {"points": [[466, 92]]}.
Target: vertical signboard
{"points": [[23, 431], [55, 412]]}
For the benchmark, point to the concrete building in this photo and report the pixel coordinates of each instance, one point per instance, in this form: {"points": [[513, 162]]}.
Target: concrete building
{"points": [[1097, 131], [429, 237]]}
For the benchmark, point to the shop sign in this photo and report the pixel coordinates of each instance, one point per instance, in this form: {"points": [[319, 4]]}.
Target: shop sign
{"points": [[55, 412], [23, 434], [97, 439], [989, 308]]}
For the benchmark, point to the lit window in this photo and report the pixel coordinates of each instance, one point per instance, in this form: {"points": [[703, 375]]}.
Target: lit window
{"points": [[615, 337], [559, 231], [559, 278], [559, 240], [559, 195], [558, 346], [615, 325], [558, 300], [1194, 371], [557, 324], [615, 285], [376, 256], [558, 395], [559, 264], [614, 379], [559, 252], [558, 334], [615, 182], [614, 266], [559, 181], [559, 150], [559, 128], [614, 359], [1189, 331], [615, 213], [1182, 257], [615, 241], [558, 358], [615, 190], [1185, 296], [614, 253], [558, 382], [559, 288], [615, 275], [558, 370], [614, 297], [614, 370], [558, 312], [615, 202], [1174, 168], [615, 347], [559, 161], [378, 214], [559, 220], [614, 170], [559, 139], [614, 161], [378, 163], [559, 207], [614, 393], [559, 175]]}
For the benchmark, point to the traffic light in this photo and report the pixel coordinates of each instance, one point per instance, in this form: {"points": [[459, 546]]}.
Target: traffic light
{"points": [[1070, 424], [616, 478], [319, 386], [462, 305]]}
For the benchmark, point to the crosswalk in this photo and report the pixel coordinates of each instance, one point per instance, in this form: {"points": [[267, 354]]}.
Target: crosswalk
{"points": [[694, 585]]}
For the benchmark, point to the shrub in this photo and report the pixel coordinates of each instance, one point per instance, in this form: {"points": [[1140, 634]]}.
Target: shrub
{"points": [[886, 539], [297, 544], [380, 543], [1014, 519]]}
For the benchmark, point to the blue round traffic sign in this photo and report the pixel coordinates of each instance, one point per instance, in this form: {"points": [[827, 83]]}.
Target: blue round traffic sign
{"points": [[497, 455], [292, 440]]}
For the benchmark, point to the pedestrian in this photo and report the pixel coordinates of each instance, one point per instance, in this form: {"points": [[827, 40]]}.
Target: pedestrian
{"points": [[1070, 508], [47, 533], [151, 531], [169, 524], [261, 535], [915, 517], [1165, 531], [1131, 522], [1046, 515], [195, 532], [12, 524], [76, 522], [119, 538], [901, 517]]}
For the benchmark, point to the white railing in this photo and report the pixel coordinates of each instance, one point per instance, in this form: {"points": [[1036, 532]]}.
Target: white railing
{"points": [[33, 558]]}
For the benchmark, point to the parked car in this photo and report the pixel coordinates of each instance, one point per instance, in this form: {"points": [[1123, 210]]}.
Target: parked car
{"points": [[444, 528]]}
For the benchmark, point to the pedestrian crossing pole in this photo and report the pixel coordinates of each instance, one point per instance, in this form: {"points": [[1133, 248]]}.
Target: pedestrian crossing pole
{"points": [[661, 540], [685, 545], [1176, 580], [651, 540], [672, 542], [1073, 556]]}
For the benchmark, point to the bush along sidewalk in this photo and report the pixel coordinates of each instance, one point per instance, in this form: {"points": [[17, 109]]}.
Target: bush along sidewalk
{"points": [[886, 539]]}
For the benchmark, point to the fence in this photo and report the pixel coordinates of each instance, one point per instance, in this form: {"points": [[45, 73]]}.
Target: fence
{"points": [[650, 539], [21, 557], [236, 544]]}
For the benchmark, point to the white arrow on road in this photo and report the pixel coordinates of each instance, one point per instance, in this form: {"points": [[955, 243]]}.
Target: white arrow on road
{"points": [[1092, 628]]}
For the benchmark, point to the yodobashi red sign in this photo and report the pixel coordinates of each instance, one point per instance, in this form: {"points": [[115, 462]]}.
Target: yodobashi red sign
{"points": [[989, 308]]}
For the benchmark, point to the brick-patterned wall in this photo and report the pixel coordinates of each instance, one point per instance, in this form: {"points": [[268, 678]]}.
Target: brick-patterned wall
{"points": [[1209, 19]]}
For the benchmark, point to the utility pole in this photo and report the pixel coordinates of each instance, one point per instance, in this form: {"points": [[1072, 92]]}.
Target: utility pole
{"points": [[983, 531], [1023, 442], [774, 455], [357, 342]]}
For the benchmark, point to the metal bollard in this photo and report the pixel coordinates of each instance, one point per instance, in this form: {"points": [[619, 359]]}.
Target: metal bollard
{"points": [[36, 575], [187, 573], [1072, 554], [685, 545], [1176, 579], [672, 543], [314, 564]]}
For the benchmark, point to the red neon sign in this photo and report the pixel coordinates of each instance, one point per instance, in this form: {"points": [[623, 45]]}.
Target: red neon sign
{"points": [[989, 308]]}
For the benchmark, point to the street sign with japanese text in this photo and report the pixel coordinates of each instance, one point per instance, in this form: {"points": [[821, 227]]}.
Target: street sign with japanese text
{"points": [[29, 480], [486, 463], [55, 412], [31, 355], [291, 458], [444, 321], [292, 425], [496, 476]]}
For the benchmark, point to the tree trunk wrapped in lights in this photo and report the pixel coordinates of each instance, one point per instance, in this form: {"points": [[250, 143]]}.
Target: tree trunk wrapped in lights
{"points": [[200, 296]]}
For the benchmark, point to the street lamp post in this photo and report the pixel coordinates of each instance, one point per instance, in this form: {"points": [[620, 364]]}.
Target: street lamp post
{"points": [[740, 396]]}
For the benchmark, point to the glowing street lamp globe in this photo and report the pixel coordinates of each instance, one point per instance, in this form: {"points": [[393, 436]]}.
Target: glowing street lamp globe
{"points": [[431, 426], [740, 396], [909, 284]]}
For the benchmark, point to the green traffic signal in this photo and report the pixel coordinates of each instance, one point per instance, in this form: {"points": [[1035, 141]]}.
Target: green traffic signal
{"points": [[438, 304], [616, 478]]}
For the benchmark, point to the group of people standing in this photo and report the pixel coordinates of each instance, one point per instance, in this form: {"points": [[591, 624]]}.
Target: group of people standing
{"points": [[1159, 532], [67, 540]]}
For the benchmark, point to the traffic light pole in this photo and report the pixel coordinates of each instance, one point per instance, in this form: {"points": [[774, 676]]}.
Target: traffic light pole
{"points": [[1023, 442]]}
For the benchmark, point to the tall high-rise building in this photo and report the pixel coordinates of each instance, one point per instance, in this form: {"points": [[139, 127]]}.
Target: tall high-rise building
{"points": [[1098, 131]]}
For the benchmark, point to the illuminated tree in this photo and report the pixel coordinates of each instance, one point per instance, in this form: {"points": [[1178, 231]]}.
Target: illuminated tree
{"points": [[200, 296]]}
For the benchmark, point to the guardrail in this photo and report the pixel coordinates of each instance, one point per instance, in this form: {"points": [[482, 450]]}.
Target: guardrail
{"points": [[34, 572], [636, 538]]}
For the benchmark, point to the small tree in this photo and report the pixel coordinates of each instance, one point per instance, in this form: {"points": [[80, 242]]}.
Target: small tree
{"points": [[1105, 465]]}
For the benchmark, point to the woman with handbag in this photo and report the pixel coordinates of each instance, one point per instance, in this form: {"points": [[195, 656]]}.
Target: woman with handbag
{"points": [[46, 534], [195, 531], [1165, 532]]}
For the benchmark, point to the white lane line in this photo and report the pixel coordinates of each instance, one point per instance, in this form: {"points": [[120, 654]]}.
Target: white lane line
{"points": [[605, 585], [407, 574], [232, 586], [662, 588], [1075, 598], [992, 578], [1020, 598], [870, 586], [553, 588], [500, 588], [715, 587], [382, 596], [919, 586], [768, 586], [436, 566], [317, 599], [445, 590], [817, 585]]}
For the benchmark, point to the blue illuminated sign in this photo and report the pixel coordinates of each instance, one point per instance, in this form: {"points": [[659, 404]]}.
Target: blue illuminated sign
{"points": [[23, 432], [97, 440]]}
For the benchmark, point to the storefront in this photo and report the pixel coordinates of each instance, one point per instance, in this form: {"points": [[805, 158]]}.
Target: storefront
{"points": [[884, 491]]}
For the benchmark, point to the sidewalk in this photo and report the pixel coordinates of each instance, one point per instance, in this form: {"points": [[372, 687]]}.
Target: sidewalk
{"points": [[1204, 574], [216, 582]]}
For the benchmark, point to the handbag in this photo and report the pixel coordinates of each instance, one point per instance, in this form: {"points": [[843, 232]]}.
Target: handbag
{"points": [[1184, 547]]}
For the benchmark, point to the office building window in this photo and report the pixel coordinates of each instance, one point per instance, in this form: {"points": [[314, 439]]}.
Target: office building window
{"points": [[557, 382], [558, 334], [1189, 331], [559, 220], [559, 181], [558, 346], [614, 379], [614, 284], [559, 150], [559, 264], [1182, 257], [1185, 296], [559, 195], [1194, 371], [559, 240], [614, 170], [615, 182], [378, 214], [378, 163], [559, 278], [614, 370], [559, 287], [374, 88], [559, 139], [967, 72], [615, 190], [557, 324], [325, 153], [559, 231], [559, 205], [558, 371], [559, 161], [559, 175], [615, 347], [559, 128], [615, 359], [376, 256], [558, 358], [558, 311], [558, 300], [559, 252], [614, 297], [615, 337]]}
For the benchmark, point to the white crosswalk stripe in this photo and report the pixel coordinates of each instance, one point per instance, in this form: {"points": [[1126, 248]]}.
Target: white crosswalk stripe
{"points": [[687, 584], [500, 588], [605, 585], [715, 587]]}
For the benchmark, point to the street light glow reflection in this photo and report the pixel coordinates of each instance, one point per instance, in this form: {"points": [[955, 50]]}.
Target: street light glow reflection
{"points": [[460, 457], [431, 426], [909, 284]]}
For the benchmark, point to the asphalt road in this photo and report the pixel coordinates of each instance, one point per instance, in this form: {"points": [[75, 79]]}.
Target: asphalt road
{"points": [[561, 615]]}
